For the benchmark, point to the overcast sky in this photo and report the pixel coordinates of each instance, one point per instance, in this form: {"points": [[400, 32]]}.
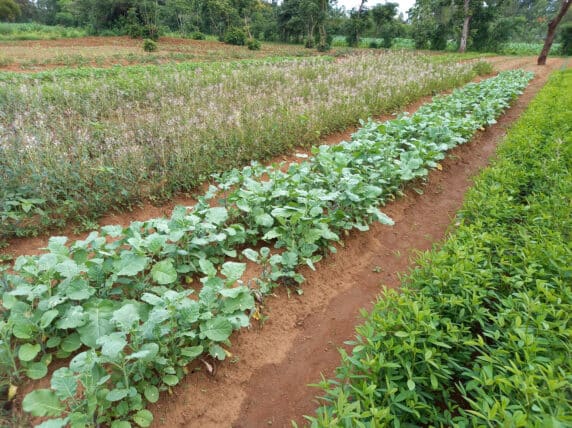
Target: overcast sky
{"points": [[404, 5]]}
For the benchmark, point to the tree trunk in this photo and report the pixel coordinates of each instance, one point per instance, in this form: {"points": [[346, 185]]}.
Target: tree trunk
{"points": [[552, 25], [465, 33], [360, 9]]}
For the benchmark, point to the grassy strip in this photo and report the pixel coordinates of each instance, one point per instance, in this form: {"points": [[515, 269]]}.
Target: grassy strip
{"points": [[118, 294], [147, 132], [480, 334], [13, 32]]}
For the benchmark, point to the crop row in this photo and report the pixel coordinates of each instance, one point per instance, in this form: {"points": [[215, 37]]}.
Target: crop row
{"points": [[67, 137], [480, 334], [129, 300]]}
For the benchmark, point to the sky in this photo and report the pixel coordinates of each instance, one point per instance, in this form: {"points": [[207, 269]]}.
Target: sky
{"points": [[404, 5]]}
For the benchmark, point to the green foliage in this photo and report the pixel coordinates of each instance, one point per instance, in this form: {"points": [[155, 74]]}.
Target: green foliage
{"points": [[120, 296], [518, 48], [133, 27], [10, 32], [479, 334], [235, 36], [151, 32], [483, 68], [150, 45], [565, 37], [9, 10], [253, 44], [197, 35]]}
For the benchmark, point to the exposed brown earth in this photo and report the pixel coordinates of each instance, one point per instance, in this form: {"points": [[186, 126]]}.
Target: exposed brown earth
{"points": [[265, 382]]}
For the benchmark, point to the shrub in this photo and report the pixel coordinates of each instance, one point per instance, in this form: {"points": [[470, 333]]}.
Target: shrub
{"points": [[482, 68], [197, 35], [323, 47], [253, 44], [150, 32], [235, 36], [149, 45]]}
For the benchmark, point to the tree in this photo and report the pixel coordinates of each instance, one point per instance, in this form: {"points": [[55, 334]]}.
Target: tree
{"points": [[383, 16], [27, 9], [466, 22], [357, 23], [300, 19], [552, 25], [432, 23], [9, 10]]}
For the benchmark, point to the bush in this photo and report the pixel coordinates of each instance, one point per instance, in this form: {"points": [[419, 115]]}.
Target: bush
{"points": [[483, 68], [150, 32], [373, 45], [323, 47], [197, 35], [235, 36], [566, 39], [149, 45], [253, 44], [134, 31]]}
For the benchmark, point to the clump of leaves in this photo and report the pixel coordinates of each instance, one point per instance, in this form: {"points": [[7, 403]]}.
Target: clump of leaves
{"points": [[235, 36], [150, 45], [197, 35], [253, 44]]}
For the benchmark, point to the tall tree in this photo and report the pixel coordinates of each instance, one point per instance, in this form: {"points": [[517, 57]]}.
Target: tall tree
{"points": [[384, 19], [301, 19], [466, 23], [357, 23], [552, 26], [9, 10]]}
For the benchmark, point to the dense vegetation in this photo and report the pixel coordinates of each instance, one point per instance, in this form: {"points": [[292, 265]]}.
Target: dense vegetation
{"points": [[109, 301], [147, 132], [431, 23], [480, 334]]}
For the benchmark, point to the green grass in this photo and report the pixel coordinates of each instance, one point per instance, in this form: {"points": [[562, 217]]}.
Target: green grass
{"points": [[515, 48], [480, 334], [14, 32], [151, 131]]}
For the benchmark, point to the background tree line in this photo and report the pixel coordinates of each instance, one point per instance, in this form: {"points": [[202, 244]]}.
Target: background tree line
{"points": [[481, 25]]}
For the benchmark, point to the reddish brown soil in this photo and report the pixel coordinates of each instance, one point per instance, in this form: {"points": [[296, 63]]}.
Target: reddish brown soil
{"points": [[39, 55], [265, 381]]}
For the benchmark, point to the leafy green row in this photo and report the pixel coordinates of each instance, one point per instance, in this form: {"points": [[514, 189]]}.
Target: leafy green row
{"points": [[480, 335], [121, 298]]}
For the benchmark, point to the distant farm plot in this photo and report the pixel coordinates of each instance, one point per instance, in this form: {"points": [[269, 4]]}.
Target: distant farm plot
{"points": [[34, 55]]}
